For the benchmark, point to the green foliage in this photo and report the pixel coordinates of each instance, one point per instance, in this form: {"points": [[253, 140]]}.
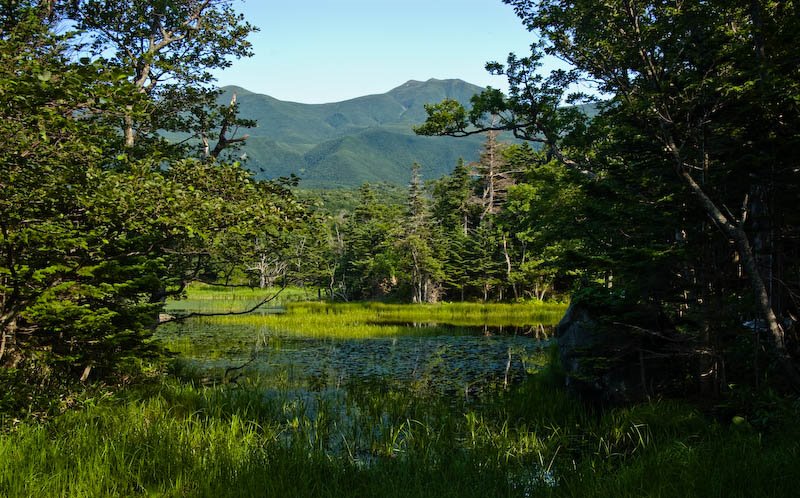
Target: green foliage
{"points": [[461, 237], [698, 117], [169, 49], [94, 233], [367, 263], [337, 202], [378, 438], [492, 248], [447, 117]]}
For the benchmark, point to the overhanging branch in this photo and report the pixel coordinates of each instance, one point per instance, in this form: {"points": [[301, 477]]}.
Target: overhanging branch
{"points": [[226, 313]]}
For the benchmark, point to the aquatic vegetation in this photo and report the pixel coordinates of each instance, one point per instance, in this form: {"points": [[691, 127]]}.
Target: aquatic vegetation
{"points": [[452, 347], [363, 320], [292, 311], [467, 314], [460, 348], [214, 299], [366, 399]]}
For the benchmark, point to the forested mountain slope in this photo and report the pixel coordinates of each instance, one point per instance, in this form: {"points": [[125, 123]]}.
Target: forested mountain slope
{"points": [[347, 143]]}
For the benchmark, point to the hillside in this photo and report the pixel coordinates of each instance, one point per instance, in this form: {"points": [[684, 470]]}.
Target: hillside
{"points": [[366, 139]]}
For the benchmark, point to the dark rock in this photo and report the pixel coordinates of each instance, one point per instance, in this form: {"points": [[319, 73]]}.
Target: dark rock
{"points": [[616, 362]]}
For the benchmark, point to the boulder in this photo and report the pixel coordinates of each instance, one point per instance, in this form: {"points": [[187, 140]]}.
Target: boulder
{"points": [[618, 362]]}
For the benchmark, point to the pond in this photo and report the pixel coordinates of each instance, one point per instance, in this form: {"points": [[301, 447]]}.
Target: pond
{"points": [[458, 350], [370, 383]]}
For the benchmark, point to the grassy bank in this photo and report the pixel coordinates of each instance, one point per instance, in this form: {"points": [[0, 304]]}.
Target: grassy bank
{"points": [[361, 320], [176, 439], [213, 299], [296, 315]]}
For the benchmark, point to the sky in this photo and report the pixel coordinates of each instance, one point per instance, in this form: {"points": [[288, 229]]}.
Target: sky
{"points": [[317, 51]]}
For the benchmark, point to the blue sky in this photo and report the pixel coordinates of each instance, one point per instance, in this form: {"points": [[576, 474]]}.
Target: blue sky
{"points": [[316, 51]]}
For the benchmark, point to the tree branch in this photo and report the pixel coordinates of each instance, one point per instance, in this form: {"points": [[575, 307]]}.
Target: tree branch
{"points": [[227, 313]]}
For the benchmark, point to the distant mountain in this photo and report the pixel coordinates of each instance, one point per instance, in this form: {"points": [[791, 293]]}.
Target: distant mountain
{"points": [[366, 139]]}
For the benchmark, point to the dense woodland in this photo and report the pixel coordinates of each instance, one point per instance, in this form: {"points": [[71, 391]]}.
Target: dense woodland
{"points": [[453, 239], [665, 199], [684, 185]]}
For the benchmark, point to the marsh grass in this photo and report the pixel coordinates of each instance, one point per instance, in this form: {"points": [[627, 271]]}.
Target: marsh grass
{"points": [[178, 439], [364, 320], [292, 313], [379, 437], [324, 344], [213, 299], [493, 314]]}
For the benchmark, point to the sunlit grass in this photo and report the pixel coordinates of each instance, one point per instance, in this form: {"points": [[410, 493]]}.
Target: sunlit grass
{"points": [[364, 320], [272, 436], [204, 292], [466, 314], [215, 299], [207, 298], [291, 313]]}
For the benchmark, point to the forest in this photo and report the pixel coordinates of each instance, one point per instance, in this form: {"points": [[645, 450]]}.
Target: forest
{"points": [[605, 303]]}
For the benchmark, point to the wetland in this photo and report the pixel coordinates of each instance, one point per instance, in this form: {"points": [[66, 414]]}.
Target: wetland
{"points": [[371, 399], [449, 347]]}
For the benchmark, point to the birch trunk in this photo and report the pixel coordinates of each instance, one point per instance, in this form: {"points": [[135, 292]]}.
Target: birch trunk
{"points": [[747, 257]]}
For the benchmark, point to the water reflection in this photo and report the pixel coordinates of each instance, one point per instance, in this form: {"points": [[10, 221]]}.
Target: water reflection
{"points": [[451, 359], [537, 331]]}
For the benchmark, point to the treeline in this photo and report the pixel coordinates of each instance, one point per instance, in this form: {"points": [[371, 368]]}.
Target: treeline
{"points": [[456, 238], [671, 214], [102, 219]]}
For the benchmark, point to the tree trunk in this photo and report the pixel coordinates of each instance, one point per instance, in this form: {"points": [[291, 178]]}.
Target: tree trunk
{"points": [[509, 267], [8, 332], [749, 264], [129, 134]]}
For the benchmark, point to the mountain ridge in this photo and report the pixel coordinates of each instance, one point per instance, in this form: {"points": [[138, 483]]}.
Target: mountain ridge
{"points": [[308, 140]]}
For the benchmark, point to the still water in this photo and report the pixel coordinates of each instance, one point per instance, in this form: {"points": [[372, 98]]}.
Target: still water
{"points": [[443, 358]]}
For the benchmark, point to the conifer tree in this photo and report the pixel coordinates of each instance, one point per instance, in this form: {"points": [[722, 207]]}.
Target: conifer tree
{"points": [[92, 237], [417, 245]]}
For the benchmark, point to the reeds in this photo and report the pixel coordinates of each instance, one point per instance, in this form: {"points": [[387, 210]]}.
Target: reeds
{"points": [[380, 437], [177, 439], [364, 320]]}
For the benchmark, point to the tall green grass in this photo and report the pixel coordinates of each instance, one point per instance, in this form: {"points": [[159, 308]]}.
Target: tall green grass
{"points": [[377, 437], [493, 314], [204, 292], [363, 320], [177, 439], [302, 317]]}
